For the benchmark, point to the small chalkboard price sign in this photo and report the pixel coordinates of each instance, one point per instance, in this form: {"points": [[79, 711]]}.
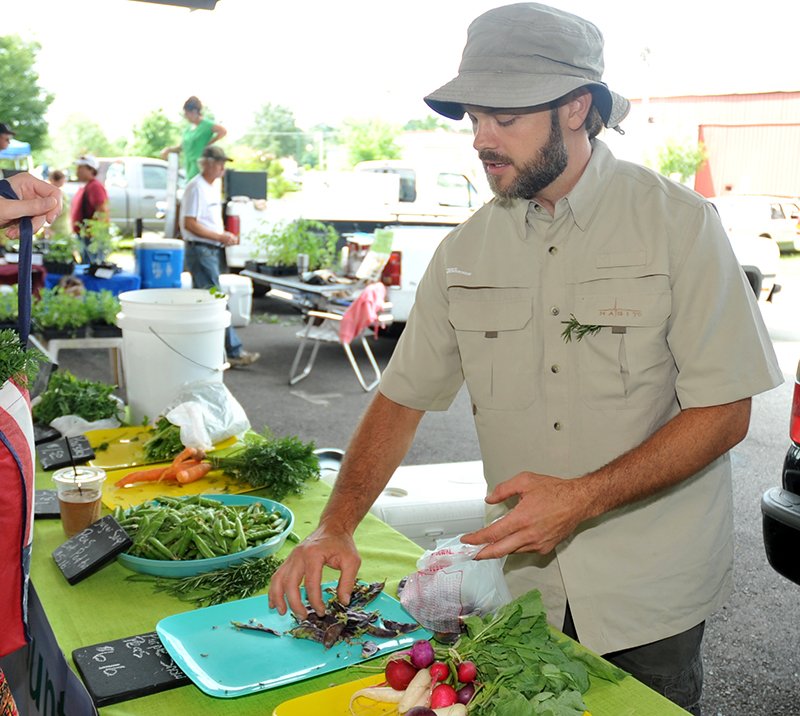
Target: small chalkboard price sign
{"points": [[45, 504], [57, 454], [127, 668], [89, 550]]}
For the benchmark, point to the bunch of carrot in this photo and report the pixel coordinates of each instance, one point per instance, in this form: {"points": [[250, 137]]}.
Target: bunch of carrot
{"points": [[187, 467]]}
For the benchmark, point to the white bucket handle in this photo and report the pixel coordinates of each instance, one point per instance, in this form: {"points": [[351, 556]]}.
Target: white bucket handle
{"points": [[185, 357]]}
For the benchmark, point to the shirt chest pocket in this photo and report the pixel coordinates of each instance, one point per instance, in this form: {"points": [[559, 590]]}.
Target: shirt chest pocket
{"points": [[627, 363], [494, 331]]}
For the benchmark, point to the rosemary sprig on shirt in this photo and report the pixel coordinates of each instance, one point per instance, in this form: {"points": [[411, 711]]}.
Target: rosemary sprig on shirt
{"points": [[578, 329]]}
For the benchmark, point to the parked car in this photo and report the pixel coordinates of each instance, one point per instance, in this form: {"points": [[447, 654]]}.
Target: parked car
{"points": [[137, 191], [768, 216], [760, 258], [780, 506]]}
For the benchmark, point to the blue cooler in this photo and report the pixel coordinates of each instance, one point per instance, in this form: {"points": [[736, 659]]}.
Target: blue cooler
{"points": [[159, 262]]}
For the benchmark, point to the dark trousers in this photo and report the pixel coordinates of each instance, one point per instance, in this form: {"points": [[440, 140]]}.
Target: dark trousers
{"points": [[671, 666]]}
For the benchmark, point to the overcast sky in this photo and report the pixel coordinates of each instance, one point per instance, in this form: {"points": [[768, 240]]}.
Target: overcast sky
{"points": [[116, 60]]}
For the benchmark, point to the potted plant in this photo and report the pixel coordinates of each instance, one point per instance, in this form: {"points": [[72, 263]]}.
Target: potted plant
{"points": [[280, 244], [59, 314], [102, 308], [103, 240], [60, 254]]}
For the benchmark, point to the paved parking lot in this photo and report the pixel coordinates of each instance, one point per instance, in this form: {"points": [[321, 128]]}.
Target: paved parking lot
{"points": [[751, 652]]}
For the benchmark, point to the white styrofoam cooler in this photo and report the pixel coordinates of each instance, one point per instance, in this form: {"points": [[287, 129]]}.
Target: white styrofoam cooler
{"points": [[427, 503], [240, 297]]}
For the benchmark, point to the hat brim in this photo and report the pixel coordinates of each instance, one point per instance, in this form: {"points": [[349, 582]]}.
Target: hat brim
{"points": [[513, 91]]}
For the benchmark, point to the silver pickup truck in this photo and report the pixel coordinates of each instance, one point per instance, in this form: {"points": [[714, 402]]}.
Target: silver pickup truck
{"points": [[137, 192]]}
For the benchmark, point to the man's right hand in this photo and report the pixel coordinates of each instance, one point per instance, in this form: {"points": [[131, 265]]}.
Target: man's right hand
{"points": [[323, 547]]}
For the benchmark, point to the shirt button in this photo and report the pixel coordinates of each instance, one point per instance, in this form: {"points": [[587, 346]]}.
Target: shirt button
{"points": [[554, 310], [555, 368], [556, 426], [553, 250]]}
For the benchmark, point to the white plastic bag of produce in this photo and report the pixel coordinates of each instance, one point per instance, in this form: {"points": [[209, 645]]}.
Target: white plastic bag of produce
{"points": [[450, 584], [207, 413]]}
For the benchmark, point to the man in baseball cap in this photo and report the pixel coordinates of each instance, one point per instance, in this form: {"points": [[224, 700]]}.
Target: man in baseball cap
{"points": [[610, 346], [89, 202]]}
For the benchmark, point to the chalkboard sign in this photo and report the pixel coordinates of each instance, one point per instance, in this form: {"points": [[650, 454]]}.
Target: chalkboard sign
{"points": [[45, 504], [127, 668], [44, 433], [55, 454], [89, 550]]}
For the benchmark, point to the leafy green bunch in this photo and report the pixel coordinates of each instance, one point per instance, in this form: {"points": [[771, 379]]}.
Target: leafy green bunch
{"points": [[524, 668], [56, 308], [16, 363], [68, 395], [282, 465]]}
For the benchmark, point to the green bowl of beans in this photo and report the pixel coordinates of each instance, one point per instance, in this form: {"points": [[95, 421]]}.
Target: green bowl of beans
{"points": [[181, 537]]}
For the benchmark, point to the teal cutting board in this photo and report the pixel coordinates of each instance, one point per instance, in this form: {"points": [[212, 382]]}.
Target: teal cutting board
{"points": [[226, 662]]}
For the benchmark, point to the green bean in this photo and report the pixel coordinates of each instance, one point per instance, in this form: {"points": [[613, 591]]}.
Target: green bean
{"points": [[202, 547], [159, 547]]}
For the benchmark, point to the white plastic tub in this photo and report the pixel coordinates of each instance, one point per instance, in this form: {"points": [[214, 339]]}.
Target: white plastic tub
{"points": [[170, 337]]}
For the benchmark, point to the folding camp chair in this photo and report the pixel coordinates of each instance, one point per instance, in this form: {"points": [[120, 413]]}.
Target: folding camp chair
{"points": [[368, 311]]}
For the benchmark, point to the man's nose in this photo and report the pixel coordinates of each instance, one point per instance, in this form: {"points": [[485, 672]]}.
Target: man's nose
{"points": [[483, 136]]}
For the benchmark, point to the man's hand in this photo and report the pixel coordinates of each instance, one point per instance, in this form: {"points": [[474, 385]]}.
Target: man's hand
{"points": [[321, 548], [37, 199], [229, 239], [547, 512]]}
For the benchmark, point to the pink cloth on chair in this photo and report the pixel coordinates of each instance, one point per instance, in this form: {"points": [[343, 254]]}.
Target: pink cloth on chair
{"points": [[363, 312]]}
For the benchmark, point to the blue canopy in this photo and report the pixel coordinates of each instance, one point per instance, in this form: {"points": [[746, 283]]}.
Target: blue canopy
{"points": [[15, 150]]}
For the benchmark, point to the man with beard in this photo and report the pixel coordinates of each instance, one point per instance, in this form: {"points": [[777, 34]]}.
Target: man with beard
{"points": [[610, 345]]}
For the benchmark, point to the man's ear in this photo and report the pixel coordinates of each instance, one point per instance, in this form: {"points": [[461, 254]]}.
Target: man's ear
{"points": [[577, 109]]}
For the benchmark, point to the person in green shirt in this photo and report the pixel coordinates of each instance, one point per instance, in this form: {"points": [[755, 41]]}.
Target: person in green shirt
{"points": [[200, 133]]}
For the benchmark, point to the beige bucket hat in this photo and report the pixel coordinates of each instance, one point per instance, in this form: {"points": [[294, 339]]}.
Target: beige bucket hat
{"points": [[528, 54]]}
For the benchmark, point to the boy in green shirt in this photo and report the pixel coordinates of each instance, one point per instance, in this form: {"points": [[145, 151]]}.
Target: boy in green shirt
{"points": [[200, 134]]}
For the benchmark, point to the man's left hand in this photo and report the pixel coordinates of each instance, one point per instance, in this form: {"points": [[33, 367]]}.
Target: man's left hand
{"points": [[547, 512]]}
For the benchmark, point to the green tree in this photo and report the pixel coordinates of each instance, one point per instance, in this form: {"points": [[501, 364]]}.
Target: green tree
{"points": [[683, 160], [274, 131], [80, 135], [23, 103], [155, 132], [373, 139], [430, 122], [320, 136]]}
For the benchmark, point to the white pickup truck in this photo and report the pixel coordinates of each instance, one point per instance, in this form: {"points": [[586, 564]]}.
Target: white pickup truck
{"points": [[137, 192]]}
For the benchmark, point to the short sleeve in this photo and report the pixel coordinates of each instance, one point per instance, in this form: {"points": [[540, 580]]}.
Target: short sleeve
{"points": [[190, 203], [424, 372], [717, 336]]}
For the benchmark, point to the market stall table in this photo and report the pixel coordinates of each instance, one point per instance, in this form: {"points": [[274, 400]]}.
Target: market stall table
{"points": [[118, 283], [106, 606]]}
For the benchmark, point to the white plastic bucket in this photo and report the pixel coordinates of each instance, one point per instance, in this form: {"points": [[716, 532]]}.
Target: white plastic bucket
{"points": [[170, 337]]}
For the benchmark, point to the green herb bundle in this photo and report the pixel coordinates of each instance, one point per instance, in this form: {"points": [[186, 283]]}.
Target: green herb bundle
{"points": [[525, 669], [238, 581], [164, 442], [15, 361], [282, 465], [68, 395]]}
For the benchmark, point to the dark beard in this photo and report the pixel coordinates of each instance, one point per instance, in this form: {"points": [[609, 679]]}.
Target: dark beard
{"points": [[539, 172]]}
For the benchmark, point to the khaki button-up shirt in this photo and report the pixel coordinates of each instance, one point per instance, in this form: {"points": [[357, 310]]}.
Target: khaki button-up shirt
{"points": [[648, 262]]}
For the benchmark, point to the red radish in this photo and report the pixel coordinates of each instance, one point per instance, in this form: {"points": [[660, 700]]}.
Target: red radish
{"points": [[439, 671], [465, 693], [443, 695], [421, 654], [467, 672], [399, 674]]}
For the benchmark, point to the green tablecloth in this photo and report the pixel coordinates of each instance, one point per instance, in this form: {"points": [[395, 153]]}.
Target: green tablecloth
{"points": [[105, 606]]}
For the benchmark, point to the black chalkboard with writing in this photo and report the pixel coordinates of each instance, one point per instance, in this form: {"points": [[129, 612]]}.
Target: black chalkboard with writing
{"points": [[127, 668], [57, 454], [89, 550], [45, 504]]}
